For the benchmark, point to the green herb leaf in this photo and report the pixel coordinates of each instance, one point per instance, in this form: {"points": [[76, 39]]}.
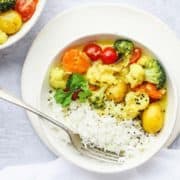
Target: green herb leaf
{"points": [[76, 81], [83, 95], [63, 98]]}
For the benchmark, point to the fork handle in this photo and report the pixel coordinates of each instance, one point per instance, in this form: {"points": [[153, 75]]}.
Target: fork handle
{"points": [[10, 98]]}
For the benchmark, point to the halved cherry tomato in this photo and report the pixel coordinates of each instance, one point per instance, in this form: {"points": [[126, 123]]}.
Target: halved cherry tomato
{"points": [[151, 90], [26, 8], [109, 55], [74, 60], [136, 55], [93, 51]]}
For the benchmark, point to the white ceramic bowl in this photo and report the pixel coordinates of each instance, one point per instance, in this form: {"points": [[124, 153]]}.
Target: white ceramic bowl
{"points": [[72, 25], [70, 153], [26, 26]]}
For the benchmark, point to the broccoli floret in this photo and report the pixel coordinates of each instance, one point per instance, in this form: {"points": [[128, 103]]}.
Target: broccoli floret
{"points": [[154, 72], [123, 46], [97, 98], [6, 5]]}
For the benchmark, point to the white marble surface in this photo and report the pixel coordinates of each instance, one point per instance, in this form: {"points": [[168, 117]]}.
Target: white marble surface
{"points": [[18, 142]]}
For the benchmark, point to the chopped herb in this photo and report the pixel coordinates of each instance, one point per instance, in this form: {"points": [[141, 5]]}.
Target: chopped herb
{"points": [[63, 98], [83, 95], [74, 83]]}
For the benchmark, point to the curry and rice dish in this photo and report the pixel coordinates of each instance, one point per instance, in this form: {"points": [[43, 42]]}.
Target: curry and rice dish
{"points": [[112, 93]]}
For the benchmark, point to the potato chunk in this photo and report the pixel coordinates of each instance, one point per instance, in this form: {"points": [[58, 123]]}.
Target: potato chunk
{"points": [[117, 92], [153, 118], [57, 78], [10, 22]]}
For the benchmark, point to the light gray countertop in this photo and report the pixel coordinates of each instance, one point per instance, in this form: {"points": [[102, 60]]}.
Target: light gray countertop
{"points": [[18, 142]]}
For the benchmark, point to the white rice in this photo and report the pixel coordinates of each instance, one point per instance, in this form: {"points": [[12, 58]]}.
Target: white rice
{"points": [[126, 138]]}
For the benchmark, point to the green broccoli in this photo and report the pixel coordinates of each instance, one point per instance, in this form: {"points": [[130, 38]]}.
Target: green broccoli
{"points": [[97, 98], [6, 5], [154, 72], [124, 47]]}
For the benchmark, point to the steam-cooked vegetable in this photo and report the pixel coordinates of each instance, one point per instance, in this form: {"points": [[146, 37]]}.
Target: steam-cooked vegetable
{"points": [[97, 98], [138, 100], [6, 5], [10, 22], [58, 78], [124, 47], [136, 75], [3, 37], [151, 90], [154, 72], [135, 102], [76, 61], [100, 74], [153, 118], [135, 55], [117, 92]]}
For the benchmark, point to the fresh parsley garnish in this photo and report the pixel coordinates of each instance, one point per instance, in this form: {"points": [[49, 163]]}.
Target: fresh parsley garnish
{"points": [[63, 98], [76, 82], [83, 95]]}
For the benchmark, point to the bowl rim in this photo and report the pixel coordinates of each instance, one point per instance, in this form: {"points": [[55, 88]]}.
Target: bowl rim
{"points": [[76, 8], [29, 25]]}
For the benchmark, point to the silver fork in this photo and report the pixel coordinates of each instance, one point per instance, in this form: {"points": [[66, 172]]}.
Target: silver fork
{"points": [[89, 151]]}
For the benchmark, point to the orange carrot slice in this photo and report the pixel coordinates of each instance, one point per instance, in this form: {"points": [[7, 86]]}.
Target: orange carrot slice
{"points": [[76, 61]]}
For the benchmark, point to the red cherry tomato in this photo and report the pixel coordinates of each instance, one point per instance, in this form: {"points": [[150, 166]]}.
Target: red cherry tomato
{"points": [[136, 55], [93, 51], [26, 8], [109, 55]]}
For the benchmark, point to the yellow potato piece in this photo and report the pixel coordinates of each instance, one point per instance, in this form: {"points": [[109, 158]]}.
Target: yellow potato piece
{"points": [[117, 92], [57, 78], [153, 118], [10, 22], [3, 37]]}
